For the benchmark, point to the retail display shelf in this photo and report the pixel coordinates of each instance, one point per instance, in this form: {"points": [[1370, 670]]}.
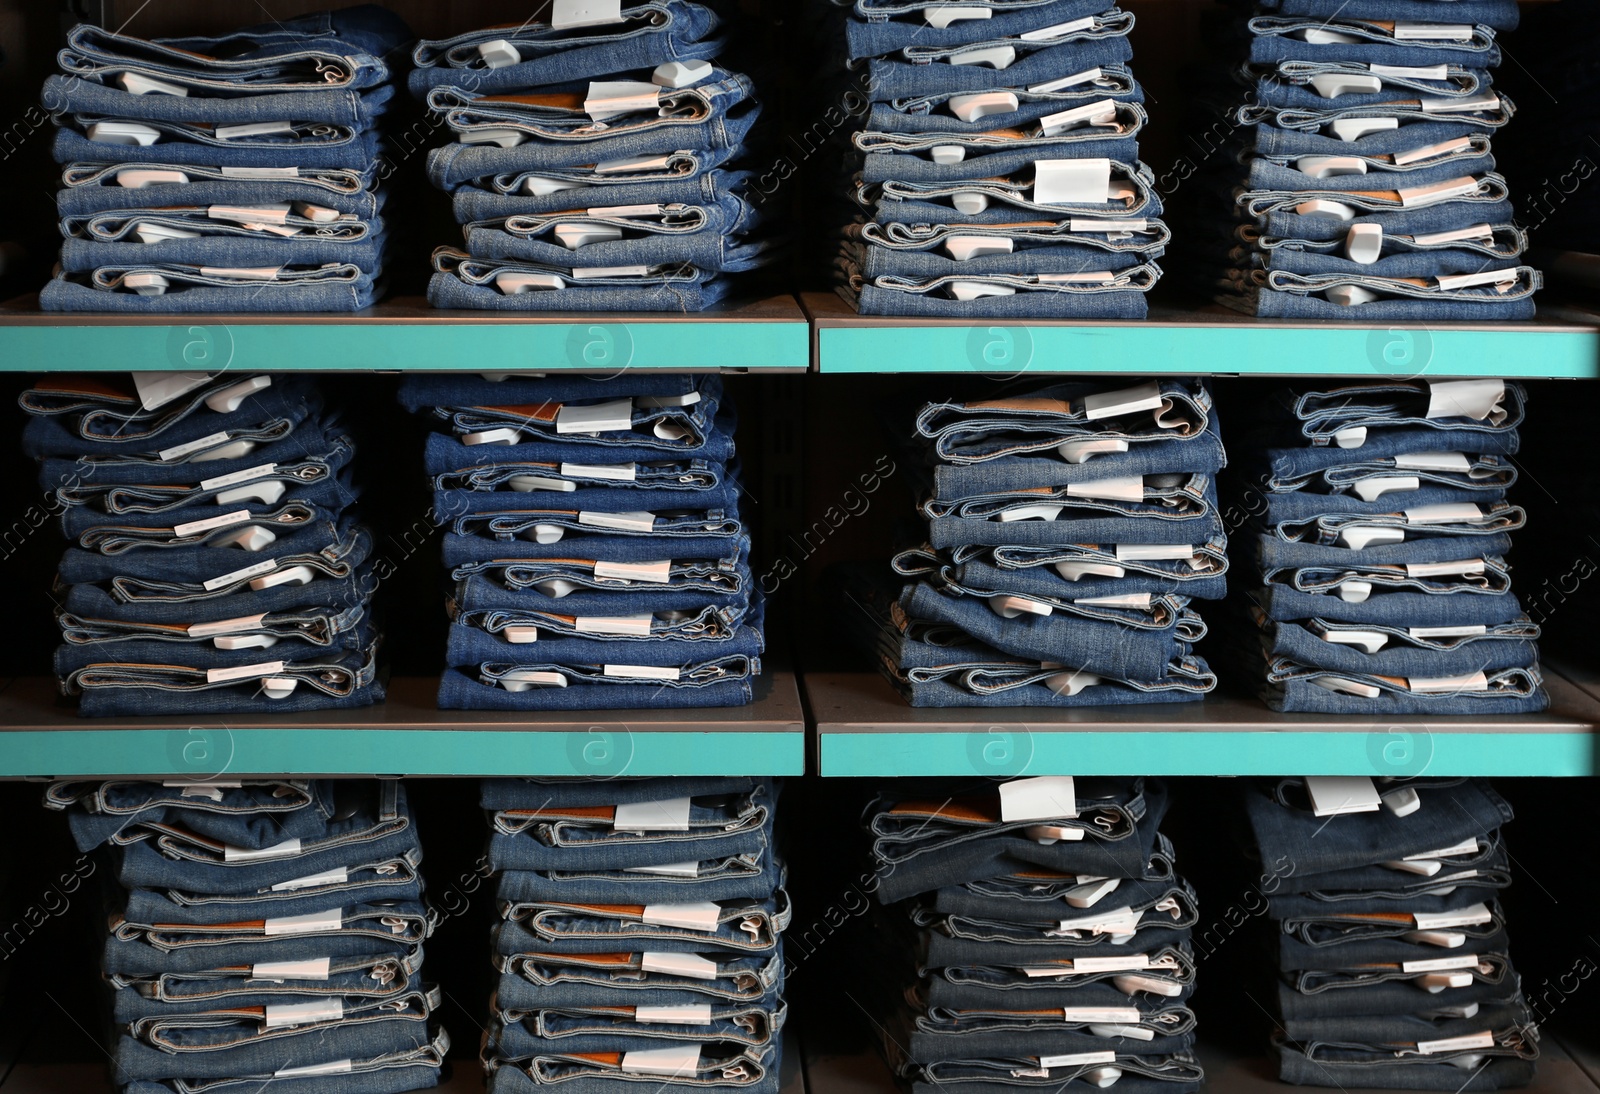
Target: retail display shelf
{"points": [[862, 1071], [1211, 342], [407, 735], [865, 728], [404, 334]]}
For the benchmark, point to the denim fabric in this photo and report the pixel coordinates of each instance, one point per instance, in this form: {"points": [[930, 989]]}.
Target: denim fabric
{"points": [[1508, 691], [965, 987], [197, 573], [1497, 14], [1391, 1000], [97, 186], [1078, 235], [881, 266], [225, 246], [1295, 955], [370, 882], [749, 927], [1030, 299], [1501, 646], [1176, 1074], [722, 1067], [326, 682], [384, 1073], [461, 281], [1004, 1032], [343, 287], [522, 1035], [706, 636], [326, 105], [880, 34], [944, 949], [74, 656], [1281, 38], [683, 172], [328, 593], [536, 793], [313, 145], [1334, 929], [919, 70], [733, 877], [619, 979], [697, 468], [118, 535], [256, 813], [370, 976], [509, 195]]}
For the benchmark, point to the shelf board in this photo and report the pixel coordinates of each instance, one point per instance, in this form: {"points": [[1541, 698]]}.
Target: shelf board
{"points": [[865, 728], [405, 334], [407, 735], [1211, 342]]}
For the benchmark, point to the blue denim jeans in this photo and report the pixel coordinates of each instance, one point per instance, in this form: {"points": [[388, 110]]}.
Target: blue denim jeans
{"points": [[99, 186], [1498, 14], [1499, 646], [256, 813], [629, 979], [461, 281], [364, 976], [110, 239], [747, 876], [340, 288], [394, 879], [1281, 38], [743, 927], [918, 70], [523, 1035], [516, 194], [328, 106], [314, 145], [880, 33], [722, 1067], [384, 1073]]}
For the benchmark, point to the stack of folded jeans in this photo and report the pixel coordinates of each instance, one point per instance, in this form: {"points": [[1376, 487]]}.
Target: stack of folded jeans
{"points": [[230, 174], [597, 161], [1382, 530], [1392, 943], [639, 939], [1068, 530], [1372, 194], [1001, 175], [266, 934], [594, 541], [216, 565], [1048, 947]]}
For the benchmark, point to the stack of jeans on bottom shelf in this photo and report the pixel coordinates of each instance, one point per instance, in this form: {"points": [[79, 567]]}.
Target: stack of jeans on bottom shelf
{"points": [[229, 174], [1048, 944], [216, 563], [1068, 529], [1001, 173], [596, 169], [1372, 194], [639, 940], [1381, 543], [265, 934], [1393, 944], [594, 541]]}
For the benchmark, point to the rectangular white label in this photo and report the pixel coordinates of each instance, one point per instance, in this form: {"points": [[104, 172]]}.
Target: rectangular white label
{"points": [[1440, 964], [300, 1014], [287, 849], [211, 523], [1101, 1014], [1417, 197], [679, 964], [1447, 632], [1476, 103], [1429, 151], [1123, 920], [667, 1062], [623, 167], [337, 876], [598, 418], [667, 869], [1467, 846], [315, 923], [249, 474], [225, 626], [669, 815], [1072, 182], [584, 13], [242, 273], [1119, 489], [698, 916], [1103, 112], [1063, 969], [252, 129], [1481, 233], [611, 472], [1448, 685], [1086, 225], [692, 1014], [1044, 34], [624, 211], [1129, 400], [613, 98], [1453, 513], [1401, 72], [1466, 917], [1333, 795], [332, 1067], [256, 570], [1457, 1044], [642, 672], [1077, 1058], [1088, 76], [244, 672], [1133, 552], [626, 522], [249, 214], [657, 573], [1137, 601], [178, 451], [1047, 797], [1111, 964], [157, 389], [1460, 568], [635, 625], [260, 172], [316, 968], [1433, 461], [1432, 32], [589, 273], [1451, 282]]}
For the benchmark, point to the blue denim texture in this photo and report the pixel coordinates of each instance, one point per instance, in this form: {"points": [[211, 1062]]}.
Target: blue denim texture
{"points": [[461, 281], [93, 187], [882, 32], [295, 289], [257, 813], [367, 976], [617, 979]]}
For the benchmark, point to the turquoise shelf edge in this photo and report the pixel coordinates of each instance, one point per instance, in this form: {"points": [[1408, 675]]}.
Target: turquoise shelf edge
{"points": [[208, 753], [1209, 349], [883, 755]]}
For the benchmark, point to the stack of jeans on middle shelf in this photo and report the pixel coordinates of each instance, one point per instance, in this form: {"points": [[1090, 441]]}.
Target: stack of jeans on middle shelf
{"points": [[1392, 944], [229, 174], [1068, 530], [216, 564], [261, 934], [1382, 530], [639, 939], [1048, 944], [597, 164], [1001, 173], [1372, 193], [594, 541]]}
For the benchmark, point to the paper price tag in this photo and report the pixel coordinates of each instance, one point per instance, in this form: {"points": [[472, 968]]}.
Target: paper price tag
{"points": [[1035, 971], [211, 523], [625, 211], [315, 923], [1433, 461], [589, 273], [1137, 601], [301, 1014], [1101, 1014], [679, 964], [1447, 632], [337, 876], [242, 273], [1457, 1044], [1503, 278], [635, 625], [1473, 105], [262, 567], [584, 13], [315, 969], [1448, 685], [1417, 197], [672, 1062], [1119, 489], [1400, 72], [669, 815], [304, 1071], [286, 849], [1477, 233], [1467, 917], [642, 672], [656, 573], [693, 1014], [1088, 76], [1103, 112], [622, 522], [598, 418], [1467, 846], [1044, 34], [1461, 568], [1072, 182], [225, 626], [1129, 400], [697, 916], [1094, 225], [1122, 920], [1046, 797], [1111, 964], [249, 474], [1440, 964], [1334, 795], [1078, 1058], [1133, 552], [611, 472], [1454, 513], [250, 214], [667, 869], [177, 452], [157, 389], [244, 672], [613, 98], [1429, 151], [1432, 32]]}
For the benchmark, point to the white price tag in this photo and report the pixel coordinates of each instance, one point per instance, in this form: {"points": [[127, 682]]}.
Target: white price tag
{"points": [[250, 214], [252, 129], [1129, 400], [692, 1014], [642, 672], [1461, 568], [1335, 795], [260, 172], [611, 472], [1477, 233], [1432, 32], [305, 1071], [589, 273], [1467, 917], [1448, 685], [1122, 920], [1044, 34], [634, 625], [1468, 846], [1111, 964], [1504, 279], [629, 166], [598, 418], [1088, 76], [1096, 226], [625, 211], [246, 672], [1119, 489], [249, 474], [301, 1014], [1136, 601], [613, 98], [1417, 197], [584, 13], [698, 916], [1429, 151], [1072, 182], [1401, 72], [1453, 513], [656, 573], [314, 969], [315, 923], [157, 389], [225, 626], [211, 523], [1433, 461], [287, 849], [670, 815], [1101, 1014], [1078, 1058], [178, 451], [337, 876], [262, 567], [624, 522], [1457, 1044], [1102, 113], [672, 1062], [1047, 797], [1447, 632], [667, 869], [1440, 964], [242, 273], [679, 964]]}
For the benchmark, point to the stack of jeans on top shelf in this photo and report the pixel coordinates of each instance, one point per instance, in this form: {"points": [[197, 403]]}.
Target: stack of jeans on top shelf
{"points": [[597, 161], [594, 541], [1001, 175], [230, 174], [1372, 193], [1068, 530], [639, 940], [1392, 944], [216, 564], [1048, 945], [1382, 530], [262, 935]]}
